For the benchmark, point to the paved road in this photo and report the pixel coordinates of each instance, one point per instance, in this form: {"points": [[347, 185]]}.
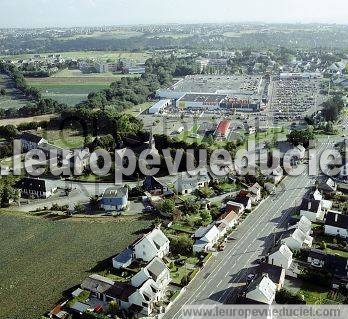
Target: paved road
{"points": [[219, 282]]}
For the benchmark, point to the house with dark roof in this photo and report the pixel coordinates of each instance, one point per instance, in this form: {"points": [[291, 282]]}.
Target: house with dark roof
{"points": [[31, 187], [244, 199], [123, 259], [154, 186], [311, 209], [275, 273], [31, 141], [336, 224], [328, 185], [188, 182]]}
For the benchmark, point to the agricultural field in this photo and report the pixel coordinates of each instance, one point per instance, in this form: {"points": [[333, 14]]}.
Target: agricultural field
{"points": [[116, 35], [13, 98], [20, 120], [41, 258], [66, 138], [98, 55], [72, 86]]}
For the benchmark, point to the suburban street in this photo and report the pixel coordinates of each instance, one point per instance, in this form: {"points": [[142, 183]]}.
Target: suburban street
{"points": [[219, 282]]}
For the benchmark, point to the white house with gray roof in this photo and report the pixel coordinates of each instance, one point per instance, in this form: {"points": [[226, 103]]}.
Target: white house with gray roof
{"points": [[262, 290], [188, 182], [281, 256], [151, 245], [298, 240]]}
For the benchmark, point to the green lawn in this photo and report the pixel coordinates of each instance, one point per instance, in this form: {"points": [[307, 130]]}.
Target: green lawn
{"points": [[71, 86], [40, 258], [313, 294], [13, 99], [337, 252]]}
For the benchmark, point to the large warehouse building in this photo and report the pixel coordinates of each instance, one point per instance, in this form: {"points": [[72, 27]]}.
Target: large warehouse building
{"points": [[159, 106], [242, 92], [201, 101]]}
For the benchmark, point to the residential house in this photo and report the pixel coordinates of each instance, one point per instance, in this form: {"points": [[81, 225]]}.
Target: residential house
{"points": [[123, 259], [123, 294], [336, 224], [206, 238], [154, 186], [275, 273], [328, 185], [311, 209], [276, 175], [256, 191], [157, 271], [238, 208], [223, 129], [316, 195], [79, 308], [115, 199], [305, 225], [145, 298], [138, 299], [36, 188], [31, 141], [280, 256], [154, 244], [298, 240], [262, 290], [188, 182], [226, 221], [97, 285], [244, 200]]}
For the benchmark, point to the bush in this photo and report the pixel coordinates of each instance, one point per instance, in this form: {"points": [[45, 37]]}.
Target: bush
{"points": [[287, 297]]}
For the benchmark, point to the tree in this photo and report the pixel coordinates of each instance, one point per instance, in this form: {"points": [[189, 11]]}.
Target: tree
{"points": [[79, 208], [94, 202], [181, 245], [167, 207], [2, 91], [303, 137], [206, 217]]}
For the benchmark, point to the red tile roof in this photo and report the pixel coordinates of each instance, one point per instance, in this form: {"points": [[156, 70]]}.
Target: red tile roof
{"points": [[223, 127]]}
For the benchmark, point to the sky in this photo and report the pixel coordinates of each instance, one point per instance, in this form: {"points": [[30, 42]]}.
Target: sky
{"points": [[67, 13]]}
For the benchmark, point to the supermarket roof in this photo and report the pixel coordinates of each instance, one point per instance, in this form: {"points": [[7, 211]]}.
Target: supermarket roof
{"points": [[204, 98]]}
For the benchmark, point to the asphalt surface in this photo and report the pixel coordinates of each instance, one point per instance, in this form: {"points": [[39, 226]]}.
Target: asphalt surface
{"points": [[220, 281]]}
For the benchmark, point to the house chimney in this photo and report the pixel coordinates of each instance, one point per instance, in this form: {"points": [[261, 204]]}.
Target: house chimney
{"points": [[309, 205]]}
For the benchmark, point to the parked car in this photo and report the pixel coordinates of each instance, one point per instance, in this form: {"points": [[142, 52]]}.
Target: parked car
{"points": [[250, 278]]}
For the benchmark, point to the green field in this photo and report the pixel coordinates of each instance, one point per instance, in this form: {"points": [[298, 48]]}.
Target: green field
{"points": [[41, 258], [117, 34], [99, 55], [13, 99], [72, 86]]}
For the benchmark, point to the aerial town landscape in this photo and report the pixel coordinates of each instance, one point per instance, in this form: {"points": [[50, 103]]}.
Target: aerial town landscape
{"points": [[149, 167]]}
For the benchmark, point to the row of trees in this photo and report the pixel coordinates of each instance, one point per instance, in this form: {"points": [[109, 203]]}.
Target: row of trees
{"points": [[332, 108]]}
